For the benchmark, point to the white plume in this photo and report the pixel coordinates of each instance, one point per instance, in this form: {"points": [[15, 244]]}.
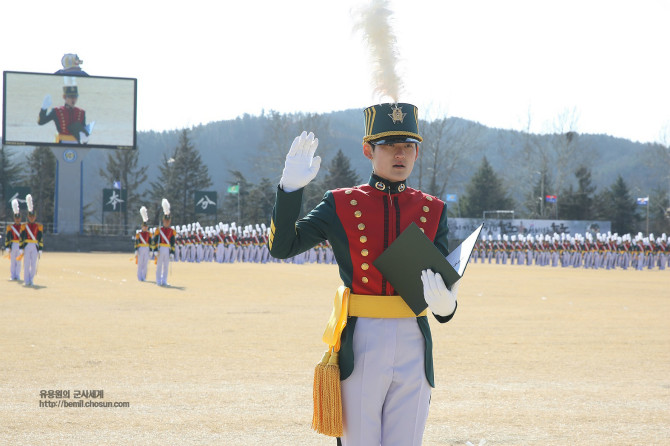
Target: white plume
{"points": [[166, 206], [29, 202], [144, 214], [15, 206], [373, 21]]}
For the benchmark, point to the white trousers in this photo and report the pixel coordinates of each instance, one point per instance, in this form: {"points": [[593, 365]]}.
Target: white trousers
{"points": [[162, 265], [385, 399], [142, 262], [15, 264], [29, 263]]}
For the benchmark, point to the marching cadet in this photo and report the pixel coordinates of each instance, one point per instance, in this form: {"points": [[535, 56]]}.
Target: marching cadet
{"points": [[385, 359], [220, 243], [489, 248], [13, 243], [31, 244], [142, 246], [164, 245]]}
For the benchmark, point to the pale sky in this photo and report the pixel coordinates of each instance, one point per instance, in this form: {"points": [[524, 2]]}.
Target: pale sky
{"points": [[605, 63]]}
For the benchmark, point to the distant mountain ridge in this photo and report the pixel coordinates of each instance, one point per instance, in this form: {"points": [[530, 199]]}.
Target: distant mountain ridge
{"points": [[234, 145]]}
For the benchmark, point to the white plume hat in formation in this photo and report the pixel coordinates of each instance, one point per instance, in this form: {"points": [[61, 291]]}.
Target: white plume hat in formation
{"points": [[144, 214], [29, 203], [15, 206], [166, 208]]}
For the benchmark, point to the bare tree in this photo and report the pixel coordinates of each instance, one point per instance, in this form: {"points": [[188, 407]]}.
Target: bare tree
{"points": [[278, 135], [565, 147], [447, 144], [530, 169]]}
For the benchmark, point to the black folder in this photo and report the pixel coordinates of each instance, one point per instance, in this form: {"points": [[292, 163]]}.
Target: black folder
{"points": [[412, 252]]}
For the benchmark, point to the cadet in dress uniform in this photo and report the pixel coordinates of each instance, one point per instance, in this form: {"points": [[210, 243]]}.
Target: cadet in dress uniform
{"points": [[13, 243], [31, 244], [70, 120], [142, 246], [385, 358], [164, 245]]}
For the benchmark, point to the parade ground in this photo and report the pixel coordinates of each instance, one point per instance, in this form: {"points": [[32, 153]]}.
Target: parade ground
{"points": [[225, 355]]}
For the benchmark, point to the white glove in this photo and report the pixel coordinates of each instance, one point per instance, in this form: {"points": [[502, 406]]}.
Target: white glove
{"points": [[83, 138], [301, 165], [46, 103], [440, 300]]}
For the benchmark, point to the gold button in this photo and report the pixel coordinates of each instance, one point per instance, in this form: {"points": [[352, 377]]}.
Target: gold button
{"points": [[423, 219], [363, 239], [358, 214], [348, 191], [365, 267], [422, 230], [353, 202], [364, 253], [361, 226], [429, 198], [364, 279], [425, 209]]}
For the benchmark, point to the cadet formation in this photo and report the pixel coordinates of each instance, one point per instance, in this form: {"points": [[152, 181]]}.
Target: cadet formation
{"points": [[229, 243], [604, 251], [222, 243]]}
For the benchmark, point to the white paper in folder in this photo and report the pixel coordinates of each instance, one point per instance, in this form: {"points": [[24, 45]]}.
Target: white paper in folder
{"points": [[460, 256]]}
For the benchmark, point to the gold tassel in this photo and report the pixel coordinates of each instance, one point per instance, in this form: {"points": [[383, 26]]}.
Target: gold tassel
{"points": [[327, 417]]}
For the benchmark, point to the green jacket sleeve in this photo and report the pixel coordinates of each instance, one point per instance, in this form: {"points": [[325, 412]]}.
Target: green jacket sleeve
{"points": [[288, 234]]}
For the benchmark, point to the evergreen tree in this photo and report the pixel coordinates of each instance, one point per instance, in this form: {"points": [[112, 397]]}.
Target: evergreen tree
{"points": [[41, 178], [536, 203], [579, 204], [231, 211], [122, 165], [339, 173], [485, 192], [181, 175], [10, 176], [659, 212], [259, 203], [617, 206], [164, 187]]}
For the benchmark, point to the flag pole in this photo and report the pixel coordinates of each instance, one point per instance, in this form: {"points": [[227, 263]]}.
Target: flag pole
{"points": [[648, 217], [239, 218]]}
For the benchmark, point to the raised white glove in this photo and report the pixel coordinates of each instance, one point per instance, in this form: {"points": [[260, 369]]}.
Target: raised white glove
{"points": [[440, 300], [301, 166], [46, 103]]}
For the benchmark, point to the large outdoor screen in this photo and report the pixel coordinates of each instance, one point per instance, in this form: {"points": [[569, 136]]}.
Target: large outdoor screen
{"points": [[42, 109]]}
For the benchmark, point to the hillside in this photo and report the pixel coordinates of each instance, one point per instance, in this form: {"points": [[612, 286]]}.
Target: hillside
{"points": [[234, 145]]}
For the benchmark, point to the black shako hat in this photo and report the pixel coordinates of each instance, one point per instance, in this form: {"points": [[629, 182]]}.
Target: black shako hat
{"points": [[390, 123]]}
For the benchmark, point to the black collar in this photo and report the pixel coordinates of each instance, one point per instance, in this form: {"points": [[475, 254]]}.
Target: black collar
{"points": [[385, 185]]}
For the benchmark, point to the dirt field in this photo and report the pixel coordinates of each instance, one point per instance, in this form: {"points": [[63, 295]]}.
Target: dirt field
{"points": [[534, 356]]}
